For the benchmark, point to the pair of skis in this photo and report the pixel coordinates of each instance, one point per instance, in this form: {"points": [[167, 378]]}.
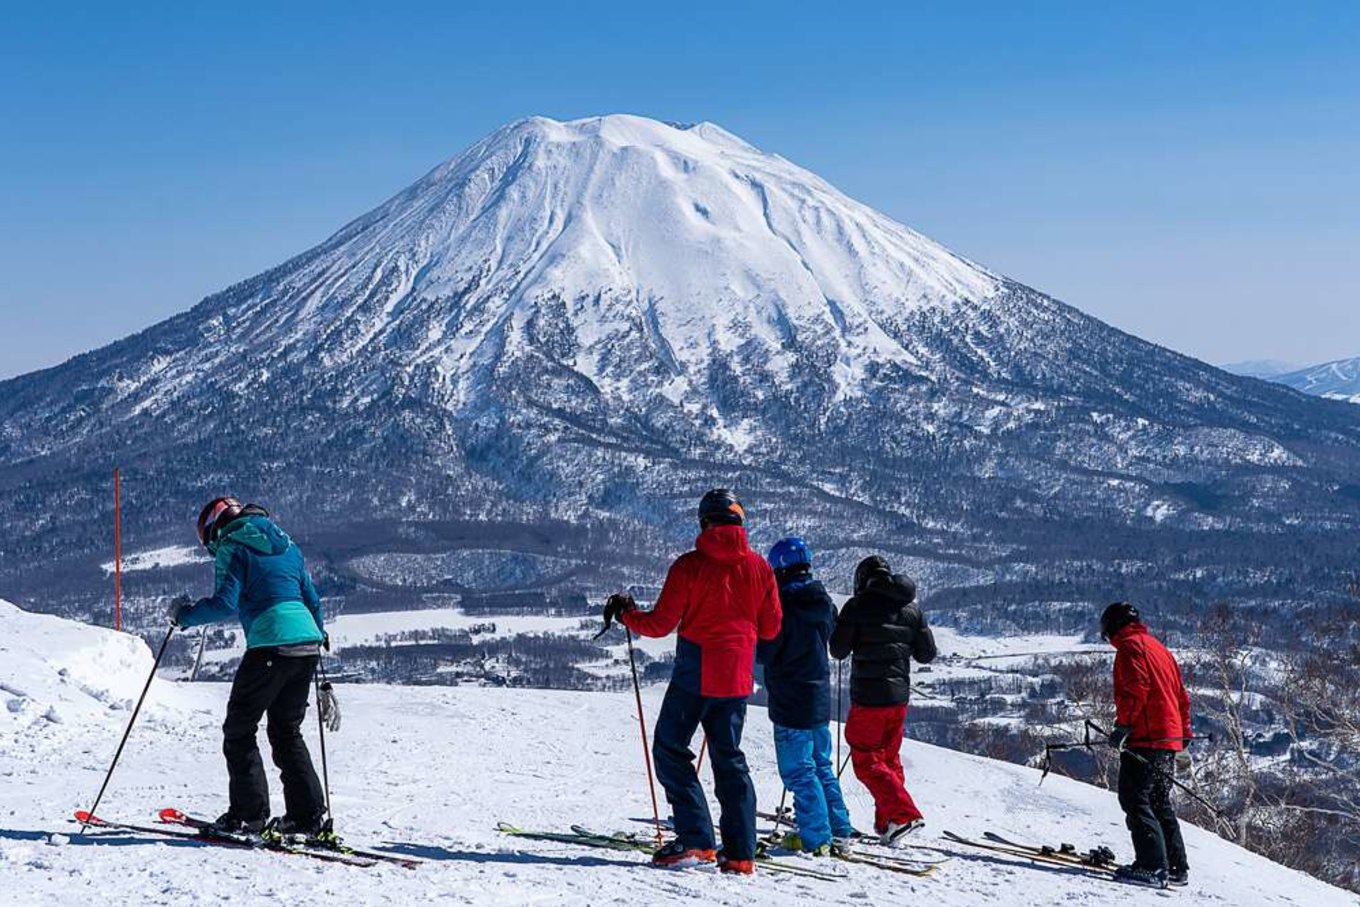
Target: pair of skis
{"points": [[1099, 861], [890, 859], [635, 843], [175, 824]]}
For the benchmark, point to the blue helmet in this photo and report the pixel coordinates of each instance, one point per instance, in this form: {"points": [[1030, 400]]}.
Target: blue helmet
{"points": [[790, 552]]}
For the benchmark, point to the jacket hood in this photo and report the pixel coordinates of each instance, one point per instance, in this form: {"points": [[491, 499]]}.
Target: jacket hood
{"points": [[257, 533], [1127, 633], [896, 588], [723, 543], [805, 597]]}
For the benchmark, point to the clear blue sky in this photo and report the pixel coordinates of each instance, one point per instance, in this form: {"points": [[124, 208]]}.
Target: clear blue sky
{"points": [[1189, 174]]}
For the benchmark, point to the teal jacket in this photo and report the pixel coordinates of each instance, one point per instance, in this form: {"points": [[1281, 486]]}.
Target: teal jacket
{"points": [[262, 580]]}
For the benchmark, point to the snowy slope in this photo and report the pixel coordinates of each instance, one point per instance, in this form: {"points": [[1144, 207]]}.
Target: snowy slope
{"points": [[428, 772], [1339, 380]]}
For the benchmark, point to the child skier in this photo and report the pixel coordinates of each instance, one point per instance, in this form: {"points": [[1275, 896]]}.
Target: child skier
{"points": [[1152, 727], [882, 629], [260, 579], [798, 681], [723, 597]]}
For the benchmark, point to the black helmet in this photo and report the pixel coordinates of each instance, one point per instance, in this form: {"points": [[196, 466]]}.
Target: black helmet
{"points": [[215, 514], [721, 507], [869, 569], [1116, 617]]}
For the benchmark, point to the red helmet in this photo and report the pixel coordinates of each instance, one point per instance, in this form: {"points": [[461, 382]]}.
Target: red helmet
{"points": [[218, 513]]}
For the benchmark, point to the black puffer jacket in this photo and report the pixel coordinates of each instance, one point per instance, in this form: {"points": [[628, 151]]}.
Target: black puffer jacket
{"points": [[883, 629]]}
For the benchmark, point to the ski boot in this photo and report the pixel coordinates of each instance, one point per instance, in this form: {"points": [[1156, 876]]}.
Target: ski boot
{"points": [[895, 835], [1134, 874], [676, 855], [736, 867], [228, 826]]}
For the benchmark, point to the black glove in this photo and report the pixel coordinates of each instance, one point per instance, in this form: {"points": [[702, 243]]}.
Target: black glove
{"points": [[616, 606], [326, 641], [176, 607], [1119, 737]]}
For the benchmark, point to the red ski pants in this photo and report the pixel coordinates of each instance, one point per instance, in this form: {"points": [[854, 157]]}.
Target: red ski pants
{"points": [[875, 738]]}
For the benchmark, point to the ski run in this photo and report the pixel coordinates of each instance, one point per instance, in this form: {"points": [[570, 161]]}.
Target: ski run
{"points": [[426, 774]]}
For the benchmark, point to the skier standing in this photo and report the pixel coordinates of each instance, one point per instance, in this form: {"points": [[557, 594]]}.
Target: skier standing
{"points": [[722, 596], [261, 579], [798, 682], [882, 629], [1152, 727]]}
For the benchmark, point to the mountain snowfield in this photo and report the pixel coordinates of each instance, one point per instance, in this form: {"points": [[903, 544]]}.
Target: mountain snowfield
{"points": [[428, 772]]}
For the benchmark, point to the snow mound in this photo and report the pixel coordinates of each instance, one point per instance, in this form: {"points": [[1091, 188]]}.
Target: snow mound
{"points": [[59, 672]]}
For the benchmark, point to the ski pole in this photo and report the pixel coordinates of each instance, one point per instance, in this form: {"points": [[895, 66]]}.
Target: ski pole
{"points": [[779, 813], [321, 728], [699, 763], [1194, 795], [840, 719], [94, 810], [198, 660], [642, 727]]}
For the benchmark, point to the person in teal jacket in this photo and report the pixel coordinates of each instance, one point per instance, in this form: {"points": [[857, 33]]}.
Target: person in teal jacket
{"points": [[262, 581]]}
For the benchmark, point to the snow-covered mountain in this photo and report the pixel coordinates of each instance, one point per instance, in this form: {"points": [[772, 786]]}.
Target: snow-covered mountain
{"points": [[1260, 368], [547, 347], [428, 773], [1339, 380]]}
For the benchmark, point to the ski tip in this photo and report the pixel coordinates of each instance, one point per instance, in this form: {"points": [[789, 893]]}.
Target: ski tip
{"points": [[172, 815]]}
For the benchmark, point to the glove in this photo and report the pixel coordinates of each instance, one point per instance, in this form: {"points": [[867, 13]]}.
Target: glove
{"points": [[618, 605], [326, 641], [1119, 737], [328, 706], [1185, 763], [176, 607]]}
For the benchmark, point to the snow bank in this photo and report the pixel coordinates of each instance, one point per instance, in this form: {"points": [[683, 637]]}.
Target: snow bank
{"points": [[60, 679]]}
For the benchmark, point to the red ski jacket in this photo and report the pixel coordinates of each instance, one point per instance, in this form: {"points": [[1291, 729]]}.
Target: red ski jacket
{"points": [[1149, 695], [723, 597]]}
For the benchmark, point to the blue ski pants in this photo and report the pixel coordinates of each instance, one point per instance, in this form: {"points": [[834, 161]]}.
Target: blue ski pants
{"points": [[682, 713], [808, 771]]}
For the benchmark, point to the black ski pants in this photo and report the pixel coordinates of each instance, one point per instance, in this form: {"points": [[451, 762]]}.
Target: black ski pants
{"points": [[279, 686], [1145, 796]]}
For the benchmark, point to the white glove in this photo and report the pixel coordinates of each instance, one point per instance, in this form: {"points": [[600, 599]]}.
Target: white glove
{"points": [[1185, 764], [177, 605], [328, 706]]}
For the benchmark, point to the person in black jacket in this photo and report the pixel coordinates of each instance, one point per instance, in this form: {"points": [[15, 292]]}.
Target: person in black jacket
{"points": [[882, 629], [798, 684]]}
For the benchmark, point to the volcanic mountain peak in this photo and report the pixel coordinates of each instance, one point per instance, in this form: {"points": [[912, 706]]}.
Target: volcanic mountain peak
{"points": [[608, 226]]}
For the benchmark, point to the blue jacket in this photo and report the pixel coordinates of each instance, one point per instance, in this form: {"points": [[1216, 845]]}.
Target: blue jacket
{"points": [[797, 668], [261, 579]]}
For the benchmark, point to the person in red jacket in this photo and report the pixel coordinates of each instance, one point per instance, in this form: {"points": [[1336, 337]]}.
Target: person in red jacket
{"points": [[723, 598], [1152, 727]]}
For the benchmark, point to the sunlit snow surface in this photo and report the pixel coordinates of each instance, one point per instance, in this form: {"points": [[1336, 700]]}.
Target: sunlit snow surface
{"points": [[159, 559], [428, 772]]}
